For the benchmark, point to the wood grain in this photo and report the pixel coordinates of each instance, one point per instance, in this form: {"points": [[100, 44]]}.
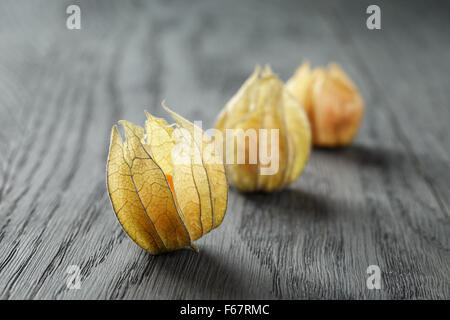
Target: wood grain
{"points": [[384, 200]]}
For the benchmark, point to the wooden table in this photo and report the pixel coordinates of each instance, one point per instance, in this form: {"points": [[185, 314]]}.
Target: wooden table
{"points": [[384, 200]]}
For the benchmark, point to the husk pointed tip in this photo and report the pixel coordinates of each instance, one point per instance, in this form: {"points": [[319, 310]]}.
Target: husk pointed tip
{"points": [[115, 134], [178, 118], [114, 130], [306, 64], [172, 113], [165, 107], [122, 123], [126, 125], [267, 68], [194, 247]]}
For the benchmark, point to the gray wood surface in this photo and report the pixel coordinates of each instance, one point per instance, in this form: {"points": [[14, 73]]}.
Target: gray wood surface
{"points": [[385, 200]]}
